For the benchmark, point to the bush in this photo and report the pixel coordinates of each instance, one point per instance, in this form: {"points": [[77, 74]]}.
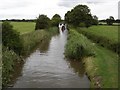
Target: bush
{"points": [[9, 58], [42, 22], [78, 46], [82, 25], [56, 19], [11, 38]]}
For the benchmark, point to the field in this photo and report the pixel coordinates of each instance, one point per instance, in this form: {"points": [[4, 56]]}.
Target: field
{"points": [[106, 36], [109, 32], [23, 27]]}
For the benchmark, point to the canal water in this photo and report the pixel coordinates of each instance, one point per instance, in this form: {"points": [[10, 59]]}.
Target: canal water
{"points": [[48, 68]]}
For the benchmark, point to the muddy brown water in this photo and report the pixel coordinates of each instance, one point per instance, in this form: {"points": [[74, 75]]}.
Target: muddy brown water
{"points": [[48, 68]]}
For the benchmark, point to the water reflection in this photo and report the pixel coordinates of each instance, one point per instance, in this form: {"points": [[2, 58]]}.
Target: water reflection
{"points": [[77, 66], [44, 46]]}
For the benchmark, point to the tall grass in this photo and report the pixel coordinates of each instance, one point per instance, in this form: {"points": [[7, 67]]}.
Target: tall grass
{"points": [[9, 58], [78, 46], [53, 31], [32, 39]]}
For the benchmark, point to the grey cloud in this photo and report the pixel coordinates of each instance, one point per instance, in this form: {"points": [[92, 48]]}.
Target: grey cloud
{"points": [[71, 3]]}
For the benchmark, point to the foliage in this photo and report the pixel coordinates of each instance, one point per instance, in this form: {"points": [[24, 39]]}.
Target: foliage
{"points": [[32, 39], [56, 19], [42, 22], [79, 14], [78, 46], [82, 24], [53, 30], [11, 38], [110, 20], [95, 20], [9, 58]]}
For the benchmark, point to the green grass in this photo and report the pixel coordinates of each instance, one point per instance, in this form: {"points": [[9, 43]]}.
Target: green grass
{"points": [[106, 36], [102, 67], [78, 46], [23, 27], [9, 58], [109, 32], [32, 39]]}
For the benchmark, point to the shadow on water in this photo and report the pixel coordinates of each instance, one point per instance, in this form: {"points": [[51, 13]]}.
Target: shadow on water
{"points": [[48, 68], [43, 48], [77, 67]]}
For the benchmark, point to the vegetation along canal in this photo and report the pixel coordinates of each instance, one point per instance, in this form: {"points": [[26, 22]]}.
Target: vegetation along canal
{"points": [[48, 68]]}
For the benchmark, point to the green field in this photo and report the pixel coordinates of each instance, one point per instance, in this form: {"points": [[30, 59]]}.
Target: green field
{"points": [[23, 27], [109, 32], [106, 36]]}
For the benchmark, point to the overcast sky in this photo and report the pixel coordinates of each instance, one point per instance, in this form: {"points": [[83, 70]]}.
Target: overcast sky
{"points": [[30, 9]]}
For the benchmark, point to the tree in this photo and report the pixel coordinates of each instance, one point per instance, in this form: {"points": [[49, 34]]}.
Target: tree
{"points": [[42, 22], [95, 20], [79, 14], [56, 19], [110, 20], [11, 38]]}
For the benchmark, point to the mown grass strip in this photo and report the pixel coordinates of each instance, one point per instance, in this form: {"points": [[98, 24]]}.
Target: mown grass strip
{"points": [[102, 67]]}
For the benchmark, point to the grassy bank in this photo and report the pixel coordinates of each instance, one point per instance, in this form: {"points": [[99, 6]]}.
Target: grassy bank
{"points": [[9, 58], [78, 46], [106, 36], [23, 27], [30, 40], [101, 64], [103, 68]]}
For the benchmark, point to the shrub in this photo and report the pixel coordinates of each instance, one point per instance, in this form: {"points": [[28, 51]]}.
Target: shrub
{"points": [[82, 25], [42, 22], [11, 38], [9, 58], [56, 19]]}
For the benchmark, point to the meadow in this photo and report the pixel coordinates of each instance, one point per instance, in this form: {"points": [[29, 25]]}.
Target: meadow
{"points": [[109, 32], [106, 36], [23, 27]]}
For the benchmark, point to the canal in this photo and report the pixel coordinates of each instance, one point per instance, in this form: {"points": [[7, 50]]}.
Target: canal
{"points": [[47, 67]]}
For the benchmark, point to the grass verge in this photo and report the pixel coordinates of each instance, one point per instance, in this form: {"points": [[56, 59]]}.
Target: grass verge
{"points": [[101, 67]]}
